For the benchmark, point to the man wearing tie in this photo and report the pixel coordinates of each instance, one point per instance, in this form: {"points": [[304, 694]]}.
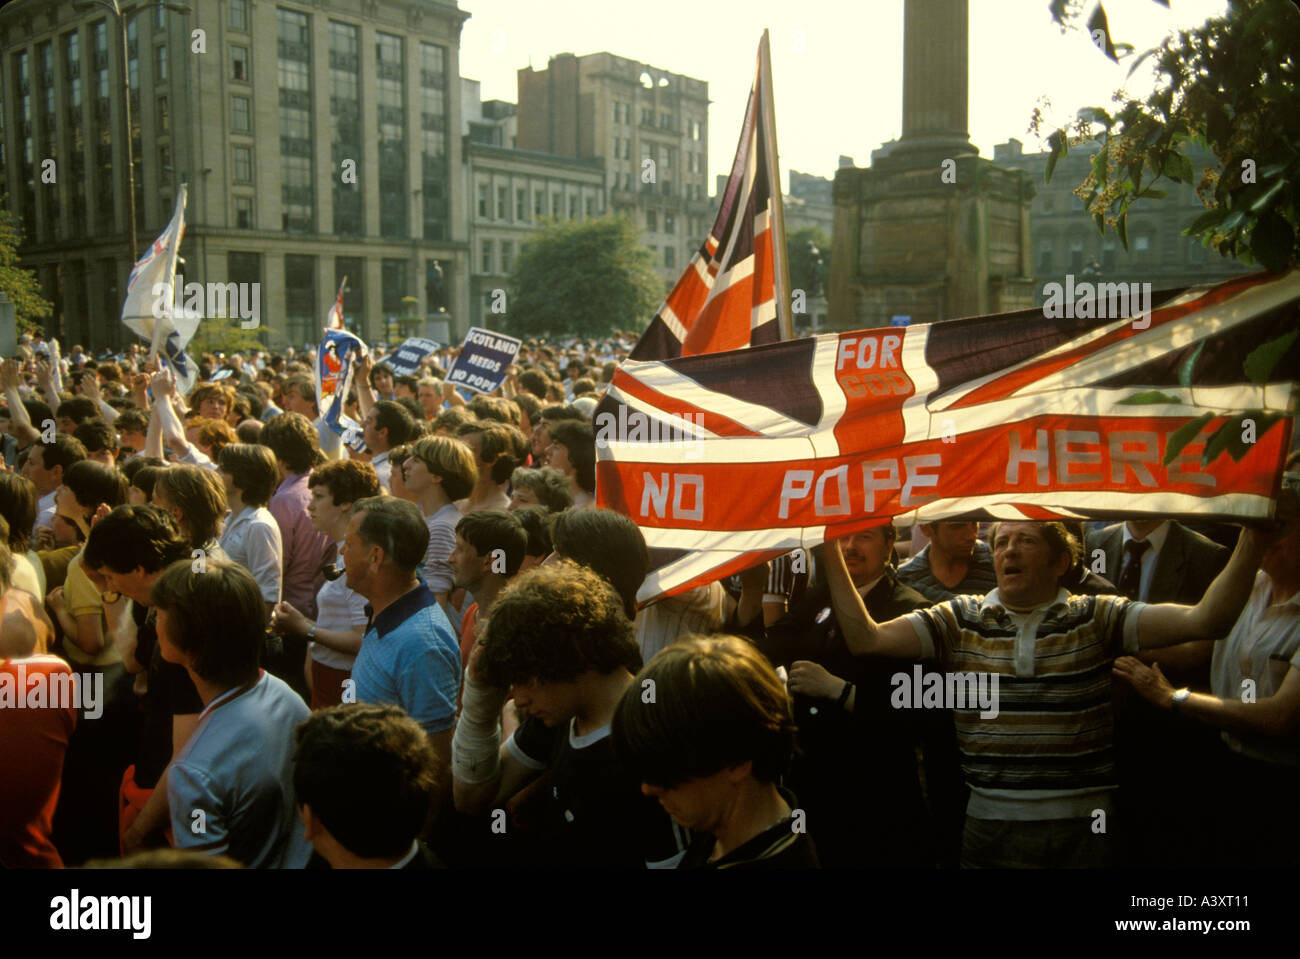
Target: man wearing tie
{"points": [[1157, 759]]}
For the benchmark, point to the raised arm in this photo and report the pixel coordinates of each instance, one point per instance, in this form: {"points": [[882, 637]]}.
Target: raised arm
{"points": [[45, 380], [90, 388], [361, 383], [19, 421], [1165, 624], [862, 634]]}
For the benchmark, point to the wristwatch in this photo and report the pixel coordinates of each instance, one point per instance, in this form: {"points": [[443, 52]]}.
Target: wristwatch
{"points": [[311, 633], [1181, 696]]}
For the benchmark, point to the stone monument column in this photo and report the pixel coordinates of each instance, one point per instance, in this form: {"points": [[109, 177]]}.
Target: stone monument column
{"points": [[935, 63]]}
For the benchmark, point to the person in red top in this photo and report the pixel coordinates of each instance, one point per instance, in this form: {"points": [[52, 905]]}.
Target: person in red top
{"points": [[33, 741]]}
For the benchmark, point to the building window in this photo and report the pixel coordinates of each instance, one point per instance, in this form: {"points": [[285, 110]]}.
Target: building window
{"points": [[1044, 256], [573, 207], [239, 117], [163, 116], [670, 257], [590, 206], [670, 223], [239, 63], [507, 255], [243, 164], [244, 212], [160, 61], [651, 221], [1142, 247], [502, 212], [482, 201], [1076, 254], [539, 202], [239, 15], [520, 202], [300, 297], [486, 254], [555, 205]]}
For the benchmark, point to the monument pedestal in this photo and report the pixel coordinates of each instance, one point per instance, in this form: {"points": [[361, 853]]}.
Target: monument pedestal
{"points": [[907, 242]]}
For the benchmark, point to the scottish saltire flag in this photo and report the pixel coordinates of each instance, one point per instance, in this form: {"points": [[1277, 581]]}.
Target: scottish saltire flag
{"points": [[150, 309], [727, 297], [335, 363], [335, 319], [728, 459]]}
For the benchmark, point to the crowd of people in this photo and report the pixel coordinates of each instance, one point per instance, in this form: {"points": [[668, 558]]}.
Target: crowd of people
{"points": [[222, 639]]}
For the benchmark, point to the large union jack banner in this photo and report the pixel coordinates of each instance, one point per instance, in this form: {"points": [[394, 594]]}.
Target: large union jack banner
{"points": [[731, 458]]}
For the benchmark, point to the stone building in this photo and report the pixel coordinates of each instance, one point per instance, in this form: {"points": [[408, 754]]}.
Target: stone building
{"points": [[649, 126], [1066, 239], [261, 114]]}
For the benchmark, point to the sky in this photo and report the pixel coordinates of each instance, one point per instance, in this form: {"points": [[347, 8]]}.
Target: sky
{"points": [[837, 66]]}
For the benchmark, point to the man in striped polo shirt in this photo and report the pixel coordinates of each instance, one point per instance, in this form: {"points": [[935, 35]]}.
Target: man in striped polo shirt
{"points": [[1040, 767]]}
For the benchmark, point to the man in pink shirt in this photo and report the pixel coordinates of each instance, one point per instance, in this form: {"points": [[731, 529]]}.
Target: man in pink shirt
{"points": [[292, 438]]}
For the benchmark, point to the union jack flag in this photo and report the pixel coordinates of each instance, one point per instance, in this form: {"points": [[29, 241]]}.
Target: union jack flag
{"points": [[727, 297], [728, 459]]}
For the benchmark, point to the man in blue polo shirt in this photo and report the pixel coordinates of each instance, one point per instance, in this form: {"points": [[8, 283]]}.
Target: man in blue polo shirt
{"points": [[230, 787], [409, 655]]}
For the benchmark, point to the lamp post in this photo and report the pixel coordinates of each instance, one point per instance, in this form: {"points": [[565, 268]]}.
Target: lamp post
{"points": [[124, 14]]}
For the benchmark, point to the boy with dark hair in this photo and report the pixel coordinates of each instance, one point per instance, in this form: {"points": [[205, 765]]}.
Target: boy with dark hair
{"points": [[230, 786], [711, 745], [99, 439], [490, 545], [365, 778], [386, 425], [559, 643], [131, 428], [75, 411]]}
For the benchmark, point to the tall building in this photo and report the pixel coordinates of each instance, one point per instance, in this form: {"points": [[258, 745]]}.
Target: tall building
{"points": [[1066, 239], [318, 139], [648, 125], [512, 194]]}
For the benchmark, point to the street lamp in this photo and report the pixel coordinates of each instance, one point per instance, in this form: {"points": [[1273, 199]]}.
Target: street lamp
{"points": [[124, 14]]}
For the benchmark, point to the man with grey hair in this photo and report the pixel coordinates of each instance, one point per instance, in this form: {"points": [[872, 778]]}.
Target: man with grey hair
{"points": [[409, 655]]}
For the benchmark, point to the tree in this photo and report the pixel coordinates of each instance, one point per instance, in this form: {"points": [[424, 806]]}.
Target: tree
{"points": [[584, 277], [226, 335], [1228, 85], [808, 251], [16, 283]]}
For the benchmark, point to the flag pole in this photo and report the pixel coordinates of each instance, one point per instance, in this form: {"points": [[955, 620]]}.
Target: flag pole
{"points": [[780, 261]]}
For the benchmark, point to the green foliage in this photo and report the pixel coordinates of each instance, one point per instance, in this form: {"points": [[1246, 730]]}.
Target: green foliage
{"points": [[804, 248], [583, 277], [221, 334], [16, 283], [1228, 85]]}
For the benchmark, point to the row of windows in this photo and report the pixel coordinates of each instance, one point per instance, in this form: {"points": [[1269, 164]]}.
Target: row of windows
{"points": [[592, 205], [1078, 254]]}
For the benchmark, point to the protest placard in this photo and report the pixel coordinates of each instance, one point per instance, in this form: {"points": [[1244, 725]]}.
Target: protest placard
{"points": [[484, 359]]}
